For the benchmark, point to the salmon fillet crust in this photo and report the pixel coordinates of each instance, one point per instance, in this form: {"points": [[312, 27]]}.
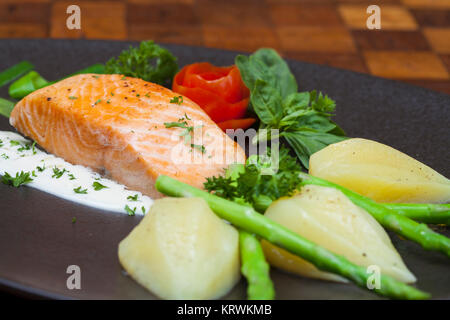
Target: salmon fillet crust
{"points": [[120, 126]]}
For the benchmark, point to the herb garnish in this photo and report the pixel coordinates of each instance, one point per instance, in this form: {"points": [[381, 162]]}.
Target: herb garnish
{"points": [[40, 169], [18, 180], [302, 118], [74, 219], [186, 133], [4, 156], [200, 148], [14, 143], [57, 173], [177, 100], [149, 62], [133, 198], [247, 183], [73, 97], [131, 212], [98, 101], [71, 176], [98, 186], [143, 209], [80, 191]]}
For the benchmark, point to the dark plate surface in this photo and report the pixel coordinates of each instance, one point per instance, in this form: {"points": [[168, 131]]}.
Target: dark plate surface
{"points": [[38, 240]]}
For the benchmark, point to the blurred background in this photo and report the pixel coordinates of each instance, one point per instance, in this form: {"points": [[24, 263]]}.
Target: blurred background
{"points": [[413, 44]]}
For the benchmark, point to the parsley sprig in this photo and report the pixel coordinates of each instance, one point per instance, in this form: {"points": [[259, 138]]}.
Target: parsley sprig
{"points": [[149, 62], [247, 183]]}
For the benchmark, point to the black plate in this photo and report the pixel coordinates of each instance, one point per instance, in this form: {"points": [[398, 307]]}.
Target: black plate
{"points": [[38, 240]]}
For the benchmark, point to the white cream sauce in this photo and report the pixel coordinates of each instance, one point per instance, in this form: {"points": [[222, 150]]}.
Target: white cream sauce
{"points": [[18, 154]]}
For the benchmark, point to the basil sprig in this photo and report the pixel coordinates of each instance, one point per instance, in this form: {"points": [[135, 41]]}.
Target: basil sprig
{"points": [[303, 118]]}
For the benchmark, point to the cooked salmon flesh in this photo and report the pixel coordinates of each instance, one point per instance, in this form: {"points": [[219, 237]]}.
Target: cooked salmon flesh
{"points": [[126, 128]]}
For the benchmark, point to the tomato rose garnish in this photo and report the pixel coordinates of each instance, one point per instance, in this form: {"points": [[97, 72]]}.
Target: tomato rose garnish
{"points": [[219, 91]]}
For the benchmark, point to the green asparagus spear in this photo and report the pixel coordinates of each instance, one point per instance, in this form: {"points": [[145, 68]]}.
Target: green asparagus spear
{"points": [[248, 219], [388, 218], [255, 268], [422, 212]]}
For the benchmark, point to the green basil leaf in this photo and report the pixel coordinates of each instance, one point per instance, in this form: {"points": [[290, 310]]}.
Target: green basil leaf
{"points": [[307, 142], [296, 101], [252, 69], [278, 69], [314, 120], [266, 101]]}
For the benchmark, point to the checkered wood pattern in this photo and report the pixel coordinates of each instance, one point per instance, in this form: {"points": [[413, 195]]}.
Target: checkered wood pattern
{"points": [[413, 45]]}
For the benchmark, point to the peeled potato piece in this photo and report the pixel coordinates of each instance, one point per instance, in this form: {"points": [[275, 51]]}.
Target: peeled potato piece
{"points": [[182, 250], [328, 218], [379, 172]]}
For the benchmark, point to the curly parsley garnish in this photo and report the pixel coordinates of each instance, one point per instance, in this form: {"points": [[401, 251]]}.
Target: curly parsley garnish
{"points": [[20, 179], [247, 183], [149, 62]]}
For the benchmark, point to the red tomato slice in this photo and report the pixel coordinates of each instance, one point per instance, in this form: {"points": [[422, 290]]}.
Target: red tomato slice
{"points": [[236, 124], [219, 91]]}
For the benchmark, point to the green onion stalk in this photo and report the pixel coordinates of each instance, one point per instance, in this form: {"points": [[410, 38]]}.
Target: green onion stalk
{"points": [[14, 72], [246, 218], [33, 81], [6, 107]]}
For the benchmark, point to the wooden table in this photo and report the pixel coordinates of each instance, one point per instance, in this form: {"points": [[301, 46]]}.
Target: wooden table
{"points": [[413, 44]]}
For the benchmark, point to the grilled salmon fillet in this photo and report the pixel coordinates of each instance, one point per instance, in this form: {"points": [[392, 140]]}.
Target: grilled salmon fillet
{"points": [[126, 128]]}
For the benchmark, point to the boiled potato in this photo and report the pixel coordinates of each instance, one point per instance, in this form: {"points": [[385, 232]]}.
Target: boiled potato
{"points": [[379, 172], [328, 218], [182, 250]]}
